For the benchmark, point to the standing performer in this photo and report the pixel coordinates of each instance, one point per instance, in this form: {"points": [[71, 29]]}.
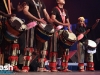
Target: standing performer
{"points": [[61, 22], [35, 11], [11, 28], [85, 45]]}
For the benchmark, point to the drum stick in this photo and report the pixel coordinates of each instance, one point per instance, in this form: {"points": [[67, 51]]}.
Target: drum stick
{"points": [[9, 7], [5, 5]]}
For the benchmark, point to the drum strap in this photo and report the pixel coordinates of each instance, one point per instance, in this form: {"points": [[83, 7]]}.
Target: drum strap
{"points": [[8, 8], [38, 10], [63, 14]]}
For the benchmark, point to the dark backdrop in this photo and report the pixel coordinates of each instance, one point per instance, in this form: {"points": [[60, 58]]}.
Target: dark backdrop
{"points": [[90, 9]]}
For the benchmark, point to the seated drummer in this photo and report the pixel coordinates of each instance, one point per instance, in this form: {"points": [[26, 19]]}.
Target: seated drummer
{"points": [[61, 19], [81, 31]]}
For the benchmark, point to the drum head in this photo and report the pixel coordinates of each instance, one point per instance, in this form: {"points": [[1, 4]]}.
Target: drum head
{"points": [[46, 28], [17, 24], [65, 34], [72, 36], [68, 36], [92, 43], [49, 28]]}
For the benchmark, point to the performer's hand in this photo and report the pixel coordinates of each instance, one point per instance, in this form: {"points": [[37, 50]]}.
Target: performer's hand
{"points": [[84, 24], [97, 20], [88, 30], [97, 41], [70, 30], [12, 15], [7, 15], [51, 21], [66, 24], [42, 21]]}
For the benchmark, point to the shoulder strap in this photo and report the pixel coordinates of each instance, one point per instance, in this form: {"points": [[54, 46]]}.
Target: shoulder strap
{"points": [[8, 8], [37, 8], [61, 13]]}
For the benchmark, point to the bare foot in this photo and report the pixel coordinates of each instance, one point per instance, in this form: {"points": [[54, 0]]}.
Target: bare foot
{"points": [[66, 70], [43, 70]]}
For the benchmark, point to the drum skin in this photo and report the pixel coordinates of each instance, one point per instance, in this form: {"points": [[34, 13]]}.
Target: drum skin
{"points": [[41, 35], [65, 46], [91, 46], [10, 30], [44, 33], [65, 40], [13, 28]]}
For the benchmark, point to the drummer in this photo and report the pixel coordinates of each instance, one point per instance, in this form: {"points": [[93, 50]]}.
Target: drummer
{"points": [[61, 20], [81, 32], [35, 10], [6, 10]]}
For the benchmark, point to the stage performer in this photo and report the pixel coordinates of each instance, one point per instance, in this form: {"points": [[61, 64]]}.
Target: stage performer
{"points": [[85, 47], [35, 10], [9, 45], [61, 25]]}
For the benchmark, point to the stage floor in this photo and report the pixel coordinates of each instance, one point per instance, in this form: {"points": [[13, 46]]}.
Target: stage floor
{"points": [[58, 73]]}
